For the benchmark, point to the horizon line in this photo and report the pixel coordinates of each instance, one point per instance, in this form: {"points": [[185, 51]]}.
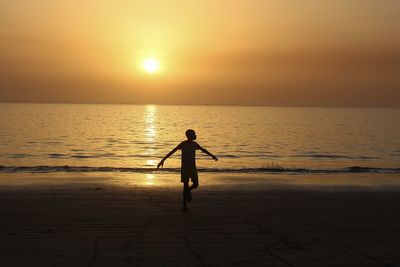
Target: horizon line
{"points": [[211, 105]]}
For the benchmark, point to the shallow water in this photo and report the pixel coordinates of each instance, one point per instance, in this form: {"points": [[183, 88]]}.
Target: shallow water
{"points": [[248, 138]]}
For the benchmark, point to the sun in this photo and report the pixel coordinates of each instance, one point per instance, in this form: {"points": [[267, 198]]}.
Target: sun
{"points": [[151, 65]]}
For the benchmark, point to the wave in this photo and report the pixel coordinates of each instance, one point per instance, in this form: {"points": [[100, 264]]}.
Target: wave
{"points": [[331, 156], [269, 169]]}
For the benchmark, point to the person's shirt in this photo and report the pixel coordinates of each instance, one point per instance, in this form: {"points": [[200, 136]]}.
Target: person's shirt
{"points": [[188, 154]]}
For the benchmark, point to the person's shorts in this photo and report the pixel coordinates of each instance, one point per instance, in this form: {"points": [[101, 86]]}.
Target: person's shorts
{"points": [[187, 174]]}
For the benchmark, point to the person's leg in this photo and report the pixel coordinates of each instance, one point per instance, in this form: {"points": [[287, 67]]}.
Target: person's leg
{"points": [[195, 184], [195, 181], [185, 181], [188, 194], [185, 190]]}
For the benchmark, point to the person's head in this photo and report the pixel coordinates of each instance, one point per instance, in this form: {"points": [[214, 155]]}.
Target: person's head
{"points": [[191, 134]]}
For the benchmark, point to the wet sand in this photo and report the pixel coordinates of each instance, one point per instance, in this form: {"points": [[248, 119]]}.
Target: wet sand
{"points": [[110, 221]]}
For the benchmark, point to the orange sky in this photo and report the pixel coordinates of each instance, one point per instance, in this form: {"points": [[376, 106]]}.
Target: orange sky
{"points": [[298, 52]]}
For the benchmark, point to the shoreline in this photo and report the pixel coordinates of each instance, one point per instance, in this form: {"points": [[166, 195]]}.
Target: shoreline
{"points": [[217, 181]]}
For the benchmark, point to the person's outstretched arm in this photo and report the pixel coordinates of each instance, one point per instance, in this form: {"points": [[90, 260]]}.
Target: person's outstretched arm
{"points": [[161, 164], [208, 153]]}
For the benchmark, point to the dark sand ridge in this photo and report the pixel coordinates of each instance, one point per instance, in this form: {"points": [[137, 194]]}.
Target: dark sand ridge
{"points": [[118, 220]]}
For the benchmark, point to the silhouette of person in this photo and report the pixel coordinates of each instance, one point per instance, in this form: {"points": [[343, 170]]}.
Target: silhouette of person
{"points": [[188, 164]]}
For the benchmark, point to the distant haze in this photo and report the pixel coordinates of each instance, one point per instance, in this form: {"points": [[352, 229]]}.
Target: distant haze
{"points": [[245, 52]]}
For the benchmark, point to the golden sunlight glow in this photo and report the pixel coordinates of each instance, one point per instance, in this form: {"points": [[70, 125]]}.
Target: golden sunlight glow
{"points": [[151, 65], [150, 179]]}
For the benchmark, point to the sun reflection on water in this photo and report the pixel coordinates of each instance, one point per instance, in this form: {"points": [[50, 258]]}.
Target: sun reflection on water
{"points": [[150, 135], [151, 162], [150, 118]]}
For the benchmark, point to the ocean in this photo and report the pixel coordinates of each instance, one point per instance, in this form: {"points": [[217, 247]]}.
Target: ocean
{"points": [[133, 138]]}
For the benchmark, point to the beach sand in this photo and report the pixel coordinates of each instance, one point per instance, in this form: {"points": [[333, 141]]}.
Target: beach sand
{"points": [[136, 220]]}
